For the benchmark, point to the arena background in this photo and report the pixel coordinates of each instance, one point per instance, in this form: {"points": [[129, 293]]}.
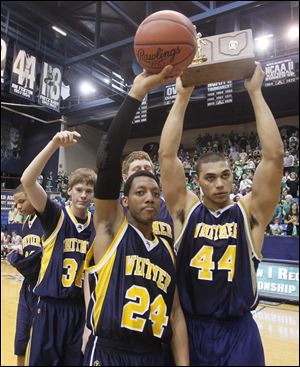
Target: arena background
{"points": [[98, 49]]}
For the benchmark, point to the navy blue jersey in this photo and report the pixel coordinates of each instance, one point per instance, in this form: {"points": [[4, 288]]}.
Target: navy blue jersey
{"points": [[216, 263], [64, 253], [163, 224], [32, 233], [132, 290], [29, 263]]}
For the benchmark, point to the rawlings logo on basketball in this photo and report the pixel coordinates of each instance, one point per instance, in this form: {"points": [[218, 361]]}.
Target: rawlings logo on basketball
{"points": [[159, 56]]}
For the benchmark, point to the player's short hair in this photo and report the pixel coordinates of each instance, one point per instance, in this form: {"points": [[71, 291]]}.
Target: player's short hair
{"points": [[210, 157], [135, 156], [128, 183], [82, 176], [19, 189]]}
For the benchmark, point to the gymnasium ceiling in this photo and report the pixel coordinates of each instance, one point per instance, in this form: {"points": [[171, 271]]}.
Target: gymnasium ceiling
{"points": [[99, 41]]}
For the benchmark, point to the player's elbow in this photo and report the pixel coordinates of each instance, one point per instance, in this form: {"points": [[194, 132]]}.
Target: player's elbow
{"points": [[165, 153], [276, 154]]}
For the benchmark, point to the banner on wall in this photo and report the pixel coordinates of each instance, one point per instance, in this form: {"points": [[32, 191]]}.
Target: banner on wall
{"points": [[278, 280], [141, 115], [7, 200], [279, 72], [169, 94], [50, 86], [219, 93], [4, 44], [23, 75], [11, 140]]}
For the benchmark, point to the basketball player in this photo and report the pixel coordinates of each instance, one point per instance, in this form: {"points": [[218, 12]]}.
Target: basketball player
{"points": [[140, 160], [134, 304], [58, 325], [28, 263], [218, 242]]}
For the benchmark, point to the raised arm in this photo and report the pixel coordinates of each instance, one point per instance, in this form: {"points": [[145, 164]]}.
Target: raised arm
{"points": [[109, 214], [177, 197], [261, 202], [35, 192]]}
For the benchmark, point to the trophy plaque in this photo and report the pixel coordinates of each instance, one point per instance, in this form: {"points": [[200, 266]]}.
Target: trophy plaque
{"points": [[228, 56]]}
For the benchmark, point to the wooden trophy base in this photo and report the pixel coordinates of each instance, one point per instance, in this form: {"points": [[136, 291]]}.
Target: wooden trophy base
{"points": [[230, 56]]}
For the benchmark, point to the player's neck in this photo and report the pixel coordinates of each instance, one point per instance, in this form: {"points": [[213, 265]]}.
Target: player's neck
{"points": [[213, 206], [79, 213], [145, 228]]}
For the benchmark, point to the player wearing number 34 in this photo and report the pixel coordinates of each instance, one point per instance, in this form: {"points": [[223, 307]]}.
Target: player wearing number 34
{"points": [[58, 325], [219, 243]]}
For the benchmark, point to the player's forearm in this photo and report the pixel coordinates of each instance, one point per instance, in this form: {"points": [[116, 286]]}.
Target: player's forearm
{"points": [[179, 342], [172, 131], [110, 151], [269, 136], [35, 168]]}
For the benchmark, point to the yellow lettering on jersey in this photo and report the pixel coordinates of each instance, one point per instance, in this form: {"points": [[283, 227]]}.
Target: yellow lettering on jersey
{"points": [[216, 232], [223, 232], [139, 266], [75, 245], [140, 305], [130, 261], [31, 240], [197, 230], [162, 229]]}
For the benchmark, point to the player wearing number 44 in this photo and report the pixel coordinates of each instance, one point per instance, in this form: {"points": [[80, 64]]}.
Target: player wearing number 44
{"points": [[218, 243], [58, 325], [133, 307]]}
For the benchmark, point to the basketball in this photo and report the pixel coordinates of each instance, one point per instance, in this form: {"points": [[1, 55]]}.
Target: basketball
{"points": [[165, 38]]}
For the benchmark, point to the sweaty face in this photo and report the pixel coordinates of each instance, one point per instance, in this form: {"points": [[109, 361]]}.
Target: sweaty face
{"points": [[23, 204], [138, 165], [215, 179], [143, 200], [81, 196]]}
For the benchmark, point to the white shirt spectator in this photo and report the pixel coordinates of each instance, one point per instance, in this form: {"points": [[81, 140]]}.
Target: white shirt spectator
{"points": [[288, 160], [244, 183]]}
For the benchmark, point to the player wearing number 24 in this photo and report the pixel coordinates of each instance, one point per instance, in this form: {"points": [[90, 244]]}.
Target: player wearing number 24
{"points": [[133, 307], [58, 325], [218, 243]]}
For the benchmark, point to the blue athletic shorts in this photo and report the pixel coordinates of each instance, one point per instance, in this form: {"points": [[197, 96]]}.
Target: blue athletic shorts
{"points": [[109, 353], [57, 330], [216, 342], [26, 309]]}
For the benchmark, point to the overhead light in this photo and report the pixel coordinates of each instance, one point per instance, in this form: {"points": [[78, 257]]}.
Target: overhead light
{"points": [[86, 88], [293, 32], [59, 30], [263, 42], [106, 80]]}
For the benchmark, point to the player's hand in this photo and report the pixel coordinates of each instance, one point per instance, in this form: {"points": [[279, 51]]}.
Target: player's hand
{"points": [[65, 138], [185, 92], [254, 84], [145, 81]]}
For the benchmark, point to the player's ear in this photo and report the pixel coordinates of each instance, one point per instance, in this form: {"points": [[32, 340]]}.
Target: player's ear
{"points": [[125, 201]]}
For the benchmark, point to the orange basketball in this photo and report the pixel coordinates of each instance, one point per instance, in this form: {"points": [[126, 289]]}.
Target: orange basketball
{"points": [[165, 37]]}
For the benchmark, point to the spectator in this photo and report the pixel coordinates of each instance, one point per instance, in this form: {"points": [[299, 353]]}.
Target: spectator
{"points": [[16, 241], [276, 228], [288, 162], [5, 244], [245, 182], [292, 221], [292, 184]]}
